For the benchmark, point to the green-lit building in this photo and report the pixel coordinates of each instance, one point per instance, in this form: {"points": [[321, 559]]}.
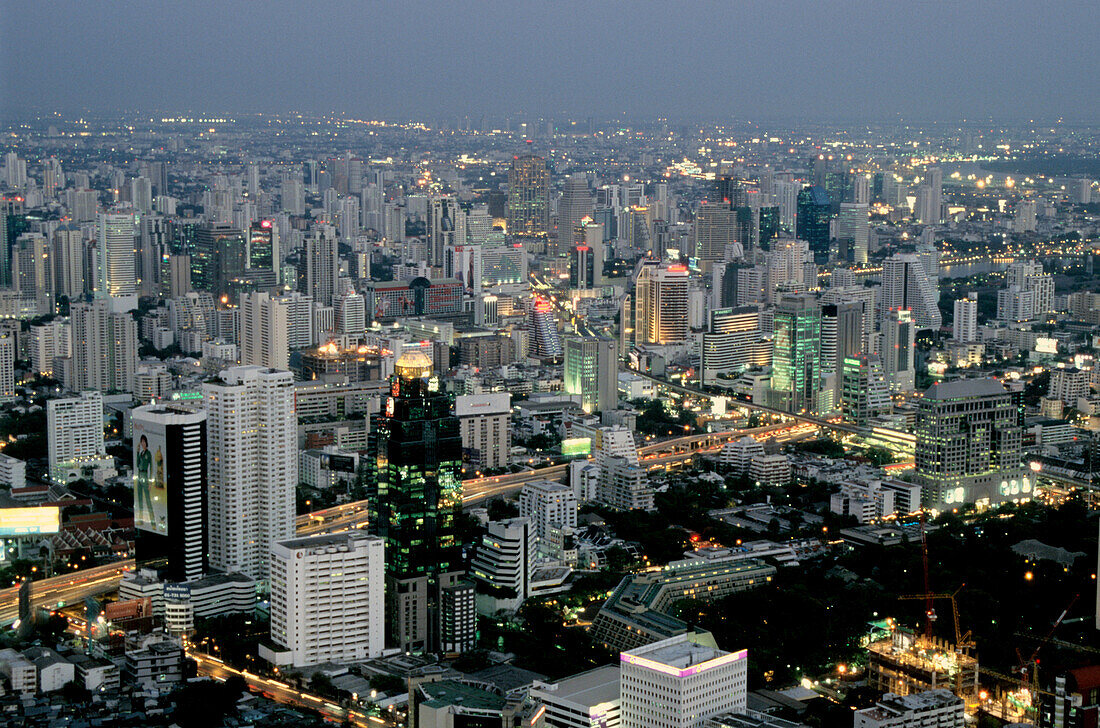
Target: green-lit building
{"points": [[415, 498], [796, 358]]}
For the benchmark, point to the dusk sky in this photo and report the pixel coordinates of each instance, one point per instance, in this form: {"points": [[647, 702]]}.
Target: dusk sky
{"points": [[860, 60]]}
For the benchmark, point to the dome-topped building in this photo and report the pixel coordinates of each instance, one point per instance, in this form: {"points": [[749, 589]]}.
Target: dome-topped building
{"points": [[413, 364]]}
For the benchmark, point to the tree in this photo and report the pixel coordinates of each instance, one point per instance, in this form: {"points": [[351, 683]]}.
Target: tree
{"points": [[321, 684]]}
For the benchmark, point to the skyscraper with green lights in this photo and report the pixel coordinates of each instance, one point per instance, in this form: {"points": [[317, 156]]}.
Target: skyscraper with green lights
{"points": [[796, 360]]}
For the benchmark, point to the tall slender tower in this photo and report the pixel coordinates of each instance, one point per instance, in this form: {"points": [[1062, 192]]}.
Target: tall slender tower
{"points": [[661, 304], [253, 465], [415, 500], [796, 367], [320, 266], [574, 206], [529, 196], [117, 269]]}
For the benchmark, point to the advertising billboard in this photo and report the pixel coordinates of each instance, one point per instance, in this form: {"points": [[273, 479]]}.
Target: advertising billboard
{"points": [[29, 521], [576, 447], [150, 476]]}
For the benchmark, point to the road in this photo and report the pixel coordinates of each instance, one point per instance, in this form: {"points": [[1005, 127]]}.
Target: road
{"points": [[65, 589], [282, 692]]}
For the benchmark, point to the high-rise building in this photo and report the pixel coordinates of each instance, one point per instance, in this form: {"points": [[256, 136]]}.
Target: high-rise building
{"points": [[796, 358], [117, 263], [415, 500], [681, 682], [853, 225], [327, 599], [68, 262], [661, 303], [528, 196], [966, 319], [48, 341], [170, 489], [219, 258], [968, 445], [74, 430], [265, 325], [293, 197], [551, 507], [319, 269], [486, 436], [814, 213], [7, 366], [503, 563], [592, 371], [445, 227], [263, 246], [582, 267], [863, 390], [715, 229], [253, 465], [842, 337], [905, 284], [32, 275], [105, 348], [575, 205], [898, 351], [543, 341], [141, 194]]}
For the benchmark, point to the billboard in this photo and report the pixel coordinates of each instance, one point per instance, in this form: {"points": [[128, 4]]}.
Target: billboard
{"points": [[29, 521], [338, 463], [150, 476], [576, 447]]}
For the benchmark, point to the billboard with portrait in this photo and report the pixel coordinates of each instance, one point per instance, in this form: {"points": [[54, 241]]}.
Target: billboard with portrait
{"points": [[150, 476]]}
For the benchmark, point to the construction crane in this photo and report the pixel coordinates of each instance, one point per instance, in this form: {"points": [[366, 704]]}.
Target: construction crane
{"points": [[1029, 669], [963, 640]]}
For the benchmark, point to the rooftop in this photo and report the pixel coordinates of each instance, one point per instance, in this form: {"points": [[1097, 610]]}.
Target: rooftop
{"points": [[965, 388], [588, 688], [344, 538], [682, 651]]}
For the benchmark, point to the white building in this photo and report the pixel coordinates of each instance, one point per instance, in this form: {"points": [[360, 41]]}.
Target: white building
{"points": [[680, 682], [966, 319], [117, 268], [738, 455], [7, 366], [264, 330], [581, 701], [549, 505], [770, 469], [74, 428], [20, 672], [483, 420], [13, 472], [502, 565], [930, 709], [252, 434], [327, 598], [105, 348], [906, 284]]}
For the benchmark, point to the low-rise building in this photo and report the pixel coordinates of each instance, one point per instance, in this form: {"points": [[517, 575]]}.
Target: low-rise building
{"points": [[931, 709], [581, 701]]}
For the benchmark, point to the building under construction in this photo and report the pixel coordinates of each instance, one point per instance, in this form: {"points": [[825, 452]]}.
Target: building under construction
{"points": [[905, 663]]}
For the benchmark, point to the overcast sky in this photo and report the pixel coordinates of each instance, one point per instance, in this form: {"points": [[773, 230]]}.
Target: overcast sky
{"points": [[766, 59]]}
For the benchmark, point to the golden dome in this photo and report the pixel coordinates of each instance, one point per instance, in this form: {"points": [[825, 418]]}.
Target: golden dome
{"points": [[413, 364]]}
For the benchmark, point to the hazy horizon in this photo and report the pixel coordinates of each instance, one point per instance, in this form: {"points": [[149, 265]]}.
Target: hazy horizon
{"points": [[916, 61]]}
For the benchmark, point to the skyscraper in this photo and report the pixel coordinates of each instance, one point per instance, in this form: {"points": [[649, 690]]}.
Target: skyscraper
{"points": [[905, 284], [219, 257], [543, 341], [582, 267], [170, 489], [968, 445], [265, 325], [415, 500], [842, 337], [252, 433], [528, 196], [319, 269], [898, 350], [814, 211], [575, 205], [446, 227], [68, 261], [105, 348], [32, 275], [117, 269], [965, 326], [715, 229], [74, 430], [796, 360], [661, 303], [853, 226], [592, 371], [863, 390]]}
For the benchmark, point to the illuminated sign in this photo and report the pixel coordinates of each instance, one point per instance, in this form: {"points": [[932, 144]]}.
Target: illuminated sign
{"points": [[576, 447], [29, 521]]}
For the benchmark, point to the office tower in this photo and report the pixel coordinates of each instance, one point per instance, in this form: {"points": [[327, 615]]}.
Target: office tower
{"points": [[464, 263], [218, 258], [898, 350], [934, 180], [965, 326], [592, 371], [32, 275], [170, 489], [74, 429], [445, 227], [582, 268], [660, 303], [252, 440], [1015, 304], [265, 327], [968, 445], [319, 269], [681, 682], [790, 266], [543, 340], [733, 343], [853, 226], [484, 420], [863, 390], [263, 247], [715, 230], [575, 205], [351, 313], [105, 348], [84, 203], [528, 196], [503, 263], [842, 337], [814, 212], [141, 194], [328, 598], [503, 562], [293, 197], [905, 284], [796, 358], [372, 206], [861, 189], [68, 262], [1080, 191], [117, 271], [415, 501], [7, 366]]}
